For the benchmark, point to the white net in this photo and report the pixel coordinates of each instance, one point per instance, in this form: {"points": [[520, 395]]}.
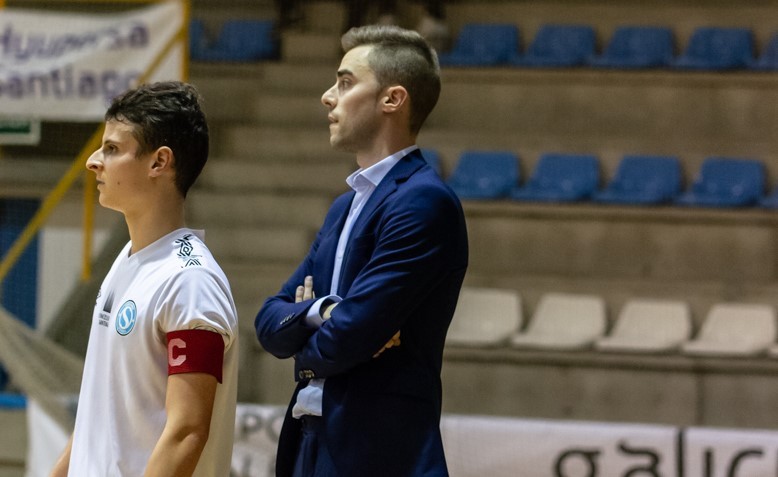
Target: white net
{"points": [[41, 368]]}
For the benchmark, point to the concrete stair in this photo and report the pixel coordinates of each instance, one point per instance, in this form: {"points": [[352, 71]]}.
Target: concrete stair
{"points": [[13, 442]]}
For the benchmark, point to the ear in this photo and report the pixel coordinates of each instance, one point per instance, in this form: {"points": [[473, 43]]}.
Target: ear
{"points": [[394, 99], [162, 162]]}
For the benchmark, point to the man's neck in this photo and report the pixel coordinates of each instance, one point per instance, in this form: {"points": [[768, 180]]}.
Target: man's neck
{"points": [[149, 226]]}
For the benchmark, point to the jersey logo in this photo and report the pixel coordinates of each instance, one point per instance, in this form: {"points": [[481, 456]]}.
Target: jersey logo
{"points": [[185, 251], [126, 317]]}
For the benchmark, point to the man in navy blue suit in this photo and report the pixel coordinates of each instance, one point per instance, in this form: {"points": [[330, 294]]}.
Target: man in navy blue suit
{"points": [[365, 315]]}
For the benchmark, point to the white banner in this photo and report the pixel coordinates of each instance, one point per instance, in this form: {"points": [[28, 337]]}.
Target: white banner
{"points": [[67, 66], [479, 446]]}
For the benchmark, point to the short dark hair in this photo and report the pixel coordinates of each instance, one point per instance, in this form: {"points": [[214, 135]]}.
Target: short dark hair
{"points": [[167, 114], [401, 57]]}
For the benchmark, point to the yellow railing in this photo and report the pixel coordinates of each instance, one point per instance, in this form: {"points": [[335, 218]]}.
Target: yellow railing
{"points": [[77, 168]]}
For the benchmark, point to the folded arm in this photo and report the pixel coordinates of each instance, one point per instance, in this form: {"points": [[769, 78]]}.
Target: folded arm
{"points": [[412, 253]]}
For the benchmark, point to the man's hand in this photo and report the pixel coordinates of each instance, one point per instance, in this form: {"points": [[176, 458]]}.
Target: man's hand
{"points": [[395, 341], [305, 291]]}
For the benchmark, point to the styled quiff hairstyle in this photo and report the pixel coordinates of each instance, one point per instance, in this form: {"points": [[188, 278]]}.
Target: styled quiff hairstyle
{"points": [[401, 57], [167, 114]]}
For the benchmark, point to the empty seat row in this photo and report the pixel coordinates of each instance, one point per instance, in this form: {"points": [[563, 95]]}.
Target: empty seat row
{"points": [[238, 40], [488, 317], [638, 180], [629, 47]]}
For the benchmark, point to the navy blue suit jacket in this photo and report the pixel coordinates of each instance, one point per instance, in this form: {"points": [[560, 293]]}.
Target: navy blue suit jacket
{"points": [[403, 268]]}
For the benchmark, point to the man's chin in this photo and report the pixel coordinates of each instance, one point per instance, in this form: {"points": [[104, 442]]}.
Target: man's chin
{"points": [[339, 145]]}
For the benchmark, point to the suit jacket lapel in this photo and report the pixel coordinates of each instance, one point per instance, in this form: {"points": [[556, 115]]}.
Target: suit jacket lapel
{"points": [[397, 175]]}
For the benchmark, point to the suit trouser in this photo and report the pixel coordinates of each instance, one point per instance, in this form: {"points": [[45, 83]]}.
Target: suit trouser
{"points": [[313, 458]]}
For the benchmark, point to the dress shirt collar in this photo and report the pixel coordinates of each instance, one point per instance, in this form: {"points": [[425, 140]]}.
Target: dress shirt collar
{"points": [[374, 174]]}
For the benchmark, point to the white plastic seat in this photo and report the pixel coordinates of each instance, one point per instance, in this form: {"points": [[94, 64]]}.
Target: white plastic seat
{"points": [[649, 326], [564, 322], [485, 317], [734, 329]]}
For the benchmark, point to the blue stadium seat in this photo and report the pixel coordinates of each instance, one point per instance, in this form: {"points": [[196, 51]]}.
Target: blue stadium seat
{"points": [[643, 180], [637, 47], [241, 41], [726, 182], [485, 174], [433, 159], [559, 46], [11, 401], [483, 45], [198, 38], [561, 178], [768, 60], [712, 48]]}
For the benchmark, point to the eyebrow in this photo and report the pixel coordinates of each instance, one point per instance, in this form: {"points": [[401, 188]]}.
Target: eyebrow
{"points": [[344, 72]]}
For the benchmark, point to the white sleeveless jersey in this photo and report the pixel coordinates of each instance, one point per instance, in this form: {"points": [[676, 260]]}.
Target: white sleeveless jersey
{"points": [[173, 284]]}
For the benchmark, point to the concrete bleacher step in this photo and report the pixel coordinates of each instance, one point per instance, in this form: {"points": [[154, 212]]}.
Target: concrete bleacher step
{"points": [[30, 177], [606, 102], [289, 109], [277, 143], [258, 243], [264, 92], [255, 281], [306, 78], [13, 442], [310, 47], [227, 208], [326, 16], [248, 78], [299, 177]]}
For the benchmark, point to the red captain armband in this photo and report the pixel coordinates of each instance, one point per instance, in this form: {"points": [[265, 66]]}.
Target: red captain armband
{"points": [[195, 351]]}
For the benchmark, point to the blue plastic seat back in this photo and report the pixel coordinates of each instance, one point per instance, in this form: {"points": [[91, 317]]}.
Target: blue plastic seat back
{"points": [[198, 39], [483, 43], [729, 177], [485, 174], [659, 176], [573, 174], [11, 401], [247, 39], [721, 47], [650, 46], [567, 43]]}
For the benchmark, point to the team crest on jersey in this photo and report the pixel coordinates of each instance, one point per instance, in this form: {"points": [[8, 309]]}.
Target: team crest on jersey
{"points": [[126, 318]]}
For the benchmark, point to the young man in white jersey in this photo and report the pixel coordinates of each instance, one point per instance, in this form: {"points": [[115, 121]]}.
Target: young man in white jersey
{"points": [[159, 388]]}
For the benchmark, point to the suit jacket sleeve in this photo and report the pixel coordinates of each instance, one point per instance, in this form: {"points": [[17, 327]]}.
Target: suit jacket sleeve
{"points": [[411, 242], [280, 324]]}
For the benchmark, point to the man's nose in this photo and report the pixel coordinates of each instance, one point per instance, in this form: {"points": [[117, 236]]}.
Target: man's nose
{"points": [[93, 163], [328, 98]]}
